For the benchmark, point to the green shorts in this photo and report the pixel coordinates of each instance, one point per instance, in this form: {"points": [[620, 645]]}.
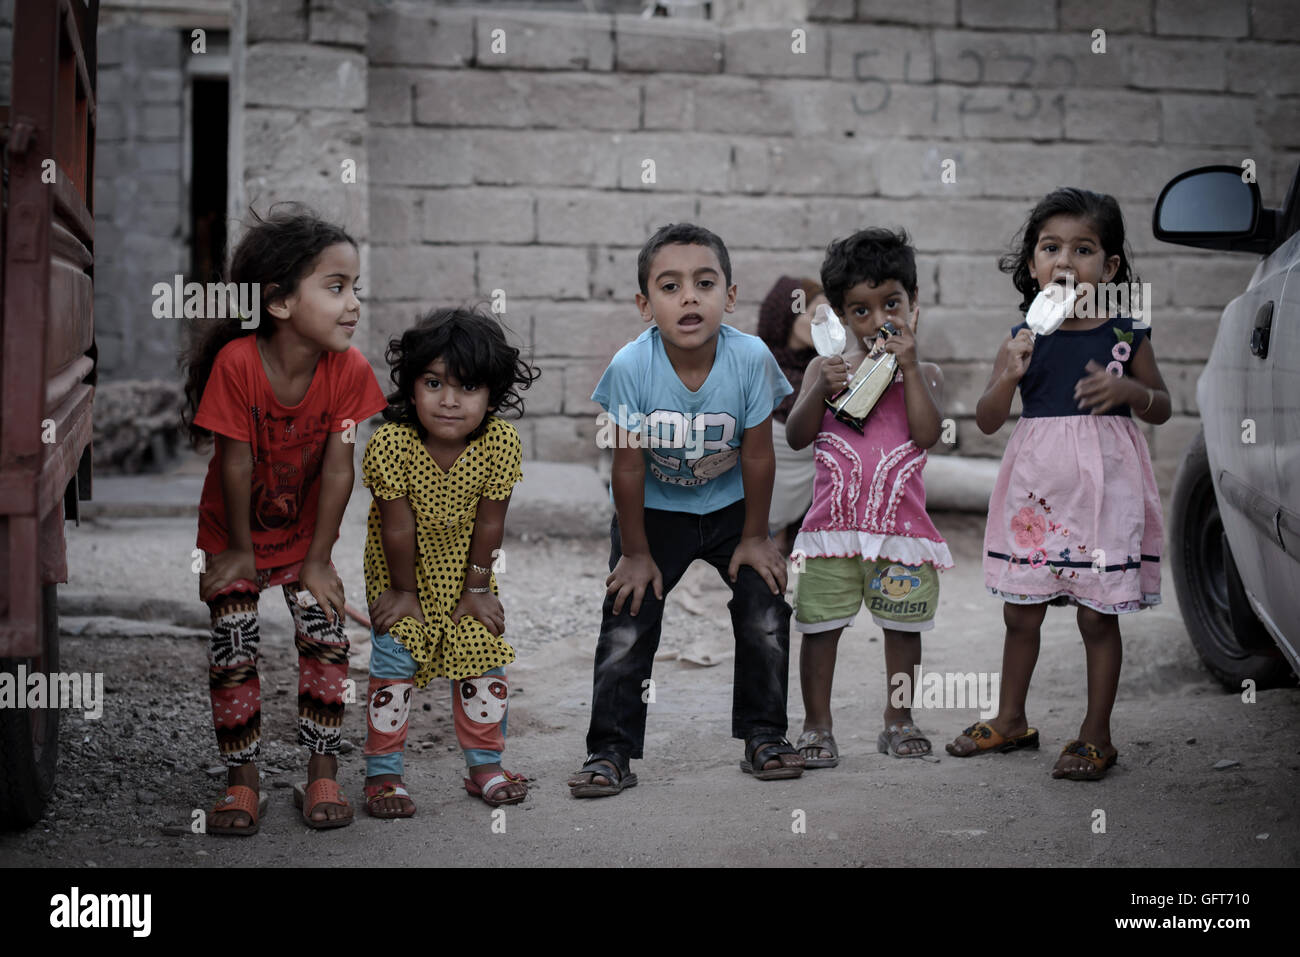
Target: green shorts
{"points": [[831, 591]]}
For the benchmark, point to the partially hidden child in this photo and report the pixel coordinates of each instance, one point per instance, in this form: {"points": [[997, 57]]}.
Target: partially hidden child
{"points": [[691, 400], [282, 395]]}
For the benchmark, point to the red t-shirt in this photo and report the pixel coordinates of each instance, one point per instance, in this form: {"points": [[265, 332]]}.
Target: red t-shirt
{"points": [[288, 444]]}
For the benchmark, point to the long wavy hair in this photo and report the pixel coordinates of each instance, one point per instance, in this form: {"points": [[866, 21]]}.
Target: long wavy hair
{"points": [[276, 252], [1102, 213]]}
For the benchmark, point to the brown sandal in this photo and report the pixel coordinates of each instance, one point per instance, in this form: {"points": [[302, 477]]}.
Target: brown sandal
{"points": [[1090, 753], [988, 740]]}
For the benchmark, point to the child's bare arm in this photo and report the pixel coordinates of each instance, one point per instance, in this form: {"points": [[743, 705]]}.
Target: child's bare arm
{"points": [[237, 561], [484, 546], [1008, 369], [336, 475], [397, 535], [1144, 369], [923, 417], [757, 472], [636, 569]]}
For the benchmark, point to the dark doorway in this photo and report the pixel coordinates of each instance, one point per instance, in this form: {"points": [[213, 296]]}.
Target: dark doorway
{"points": [[209, 127]]}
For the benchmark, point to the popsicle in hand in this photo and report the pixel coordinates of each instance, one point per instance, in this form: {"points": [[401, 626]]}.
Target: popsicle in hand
{"points": [[827, 332], [1049, 309]]}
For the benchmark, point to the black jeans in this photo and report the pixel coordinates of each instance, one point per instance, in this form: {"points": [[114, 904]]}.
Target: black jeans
{"points": [[626, 649]]}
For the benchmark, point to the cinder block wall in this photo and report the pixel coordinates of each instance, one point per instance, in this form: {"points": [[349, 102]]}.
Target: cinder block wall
{"points": [[140, 205], [521, 170]]}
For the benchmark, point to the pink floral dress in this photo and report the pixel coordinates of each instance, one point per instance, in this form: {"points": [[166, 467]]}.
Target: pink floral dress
{"points": [[1075, 514]]}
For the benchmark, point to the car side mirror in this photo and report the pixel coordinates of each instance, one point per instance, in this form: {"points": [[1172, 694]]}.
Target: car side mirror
{"points": [[1214, 208]]}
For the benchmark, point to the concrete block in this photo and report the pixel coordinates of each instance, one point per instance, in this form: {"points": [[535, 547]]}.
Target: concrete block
{"points": [[559, 438], [570, 218], [682, 163], [1202, 18], [1113, 16], [830, 10], [927, 12], [867, 53], [534, 272], [539, 158], [160, 86], [957, 332], [1111, 116], [1278, 121], [1173, 64], [963, 384], [559, 500], [302, 77], [544, 41], [755, 272], [580, 378], [546, 395], [441, 274], [593, 330], [614, 275], [775, 51], [276, 20], [751, 170], [667, 104], [1040, 61], [161, 122], [974, 281], [1140, 172], [110, 45], [1207, 284], [1263, 68], [341, 22], [390, 96], [666, 46], [420, 157], [1181, 380], [478, 215], [396, 215], [155, 48], [1274, 20], [962, 226], [843, 110], [1009, 14], [288, 144], [915, 168], [538, 100], [1183, 334], [1207, 120], [159, 157], [1011, 114], [407, 36], [743, 105], [796, 167], [762, 223]]}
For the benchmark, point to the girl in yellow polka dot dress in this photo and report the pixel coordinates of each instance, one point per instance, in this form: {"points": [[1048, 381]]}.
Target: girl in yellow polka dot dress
{"points": [[441, 471]]}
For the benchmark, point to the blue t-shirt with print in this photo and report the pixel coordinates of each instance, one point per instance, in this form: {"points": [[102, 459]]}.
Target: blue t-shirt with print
{"points": [[691, 440]]}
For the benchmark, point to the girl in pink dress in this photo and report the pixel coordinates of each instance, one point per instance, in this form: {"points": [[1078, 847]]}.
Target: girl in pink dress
{"points": [[1075, 515]]}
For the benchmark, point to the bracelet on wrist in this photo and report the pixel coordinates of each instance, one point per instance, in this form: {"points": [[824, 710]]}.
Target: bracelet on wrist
{"points": [[1151, 398], [478, 591], [479, 568]]}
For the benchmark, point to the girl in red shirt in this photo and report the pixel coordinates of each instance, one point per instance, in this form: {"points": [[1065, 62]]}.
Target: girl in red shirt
{"points": [[282, 399]]}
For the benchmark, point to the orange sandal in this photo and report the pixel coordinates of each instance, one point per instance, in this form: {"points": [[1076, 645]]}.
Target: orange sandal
{"points": [[318, 792], [240, 798], [988, 740]]}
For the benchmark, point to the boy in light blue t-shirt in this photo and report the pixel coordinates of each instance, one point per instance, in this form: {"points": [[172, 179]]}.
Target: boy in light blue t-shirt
{"points": [[690, 407]]}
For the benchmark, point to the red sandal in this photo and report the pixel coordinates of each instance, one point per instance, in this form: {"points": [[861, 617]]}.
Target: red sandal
{"points": [[318, 792], [240, 798], [485, 785]]}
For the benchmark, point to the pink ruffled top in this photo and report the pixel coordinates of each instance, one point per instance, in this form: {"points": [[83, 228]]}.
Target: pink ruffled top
{"points": [[868, 496]]}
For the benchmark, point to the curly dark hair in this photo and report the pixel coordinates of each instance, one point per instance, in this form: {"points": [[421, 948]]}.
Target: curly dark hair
{"points": [[1102, 213], [870, 255], [276, 253], [473, 345], [687, 234]]}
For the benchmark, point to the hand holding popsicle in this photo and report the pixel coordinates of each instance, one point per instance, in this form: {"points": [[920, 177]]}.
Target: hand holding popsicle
{"points": [[828, 333], [1053, 304]]}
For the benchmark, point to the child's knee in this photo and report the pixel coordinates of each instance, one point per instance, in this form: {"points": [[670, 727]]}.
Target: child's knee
{"points": [[1096, 625], [1023, 617]]}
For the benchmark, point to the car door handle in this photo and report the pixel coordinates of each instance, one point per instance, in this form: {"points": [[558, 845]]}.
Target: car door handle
{"points": [[1260, 334]]}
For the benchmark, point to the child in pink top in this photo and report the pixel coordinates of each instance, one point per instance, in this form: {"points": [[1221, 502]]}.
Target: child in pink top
{"points": [[867, 536]]}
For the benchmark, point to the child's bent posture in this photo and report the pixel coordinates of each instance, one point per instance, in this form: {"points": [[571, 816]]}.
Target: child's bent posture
{"points": [[867, 536], [692, 478], [441, 472], [279, 403], [1075, 514]]}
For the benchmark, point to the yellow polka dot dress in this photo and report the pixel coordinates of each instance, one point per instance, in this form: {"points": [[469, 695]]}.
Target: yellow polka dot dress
{"points": [[396, 465]]}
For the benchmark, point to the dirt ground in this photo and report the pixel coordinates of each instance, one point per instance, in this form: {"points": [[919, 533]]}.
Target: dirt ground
{"points": [[128, 783]]}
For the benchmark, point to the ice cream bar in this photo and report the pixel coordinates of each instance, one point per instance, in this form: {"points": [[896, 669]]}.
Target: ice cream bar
{"points": [[1049, 309], [827, 332]]}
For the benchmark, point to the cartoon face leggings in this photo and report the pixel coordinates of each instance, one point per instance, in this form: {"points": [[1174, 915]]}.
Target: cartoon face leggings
{"points": [[232, 672], [479, 707]]}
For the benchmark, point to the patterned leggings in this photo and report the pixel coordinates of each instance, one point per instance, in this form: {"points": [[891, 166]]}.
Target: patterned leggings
{"points": [[232, 672]]}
